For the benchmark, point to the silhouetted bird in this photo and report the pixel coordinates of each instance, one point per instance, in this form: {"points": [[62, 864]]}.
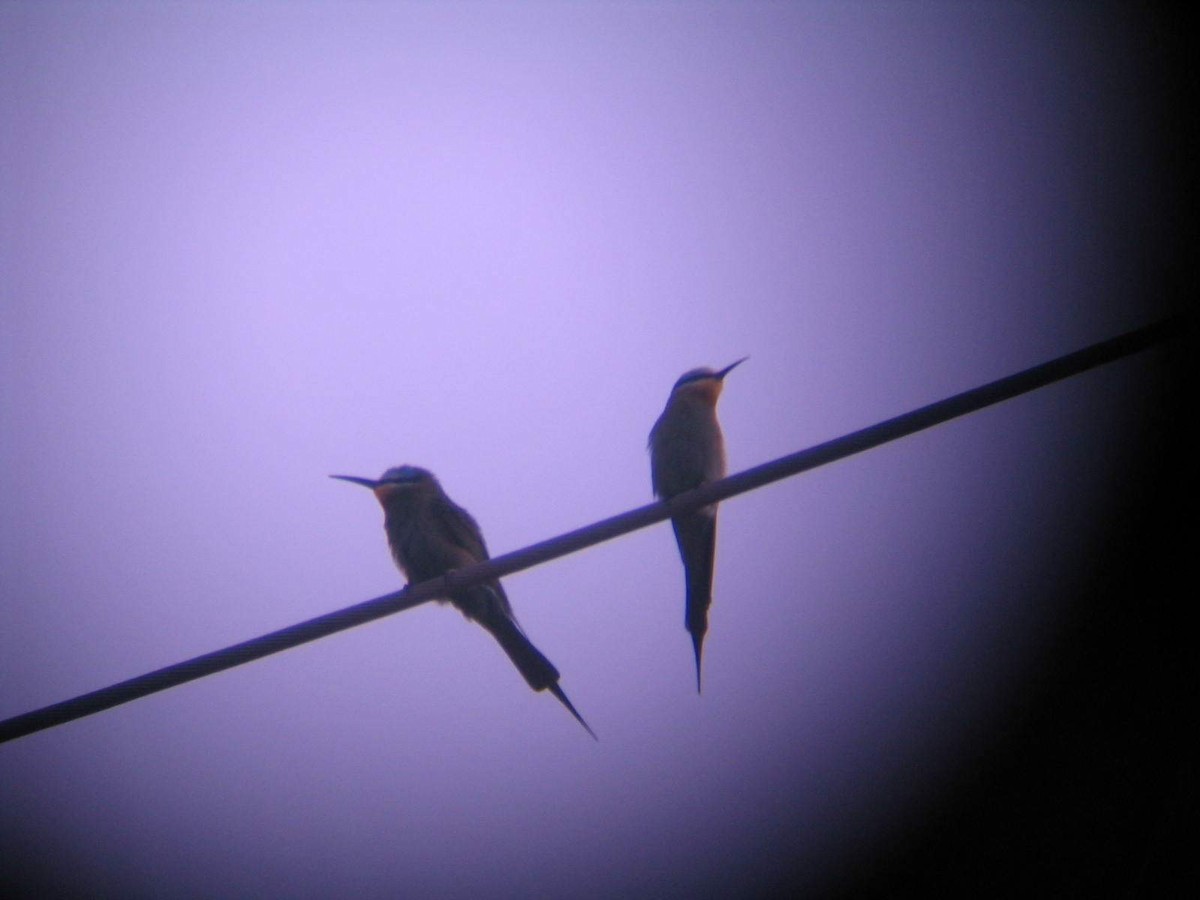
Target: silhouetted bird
{"points": [[429, 535], [687, 450]]}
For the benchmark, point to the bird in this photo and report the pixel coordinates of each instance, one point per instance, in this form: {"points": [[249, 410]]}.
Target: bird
{"points": [[687, 450], [429, 534]]}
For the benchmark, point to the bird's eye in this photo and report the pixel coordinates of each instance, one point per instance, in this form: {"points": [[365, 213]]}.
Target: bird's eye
{"points": [[691, 378]]}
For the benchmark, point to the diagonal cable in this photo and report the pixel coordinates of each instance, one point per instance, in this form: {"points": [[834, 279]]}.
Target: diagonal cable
{"points": [[397, 601]]}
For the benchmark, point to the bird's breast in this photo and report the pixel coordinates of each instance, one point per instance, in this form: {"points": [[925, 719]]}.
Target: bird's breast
{"points": [[686, 449]]}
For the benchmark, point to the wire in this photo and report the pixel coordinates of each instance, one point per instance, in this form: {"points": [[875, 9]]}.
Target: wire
{"points": [[607, 529]]}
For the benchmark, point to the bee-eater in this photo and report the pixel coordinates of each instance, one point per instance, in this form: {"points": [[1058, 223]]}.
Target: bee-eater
{"points": [[687, 450], [429, 534]]}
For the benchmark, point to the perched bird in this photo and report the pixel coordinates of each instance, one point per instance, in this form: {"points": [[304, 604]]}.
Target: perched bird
{"points": [[687, 450], [429, 534]]}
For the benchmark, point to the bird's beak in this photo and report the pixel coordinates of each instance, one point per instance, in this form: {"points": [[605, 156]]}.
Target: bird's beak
{"points": [[365, 482], [729, 368]]}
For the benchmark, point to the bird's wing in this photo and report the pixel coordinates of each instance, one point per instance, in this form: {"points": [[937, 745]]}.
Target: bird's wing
{"points": [[462, 530], [464, 535]]}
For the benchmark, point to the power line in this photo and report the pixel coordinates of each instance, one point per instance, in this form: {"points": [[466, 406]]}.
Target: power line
{"points": [[397, 601]]}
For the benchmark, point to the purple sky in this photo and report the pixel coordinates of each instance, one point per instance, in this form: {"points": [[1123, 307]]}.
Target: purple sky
{"points": [[243, 246]]}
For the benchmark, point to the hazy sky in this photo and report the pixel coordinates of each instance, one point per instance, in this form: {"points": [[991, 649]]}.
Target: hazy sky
{"points": [[246, 245]]}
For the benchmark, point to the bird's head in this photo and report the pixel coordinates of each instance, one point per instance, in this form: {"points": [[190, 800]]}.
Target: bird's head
{"points": [[395, 482], [704, 382]]}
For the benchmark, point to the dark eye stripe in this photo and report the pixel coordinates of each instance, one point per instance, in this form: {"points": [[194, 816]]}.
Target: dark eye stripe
{"points": [[695, 376], [404, 475]]}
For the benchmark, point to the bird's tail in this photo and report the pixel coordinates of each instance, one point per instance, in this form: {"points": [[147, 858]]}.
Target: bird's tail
{"points": [[562, 698], [697, 646], [696, 534], [538, 671]]}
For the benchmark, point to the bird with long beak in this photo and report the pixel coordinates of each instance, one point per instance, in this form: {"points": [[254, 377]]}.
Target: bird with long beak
{"points": [[429, 534], [686, 451]]}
